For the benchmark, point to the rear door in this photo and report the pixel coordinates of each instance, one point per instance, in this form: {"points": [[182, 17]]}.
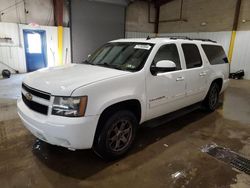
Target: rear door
{"points": [[196, 73], [217, 57]]}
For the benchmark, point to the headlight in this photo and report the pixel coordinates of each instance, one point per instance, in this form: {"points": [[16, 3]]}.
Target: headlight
{"points": [[69, 106]]}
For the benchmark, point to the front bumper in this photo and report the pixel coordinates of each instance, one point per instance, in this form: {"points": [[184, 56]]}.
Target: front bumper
{"points": [[72, 133]]}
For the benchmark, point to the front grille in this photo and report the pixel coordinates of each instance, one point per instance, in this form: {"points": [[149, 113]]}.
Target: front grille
{"points": [[36, 92], [35, 106]]}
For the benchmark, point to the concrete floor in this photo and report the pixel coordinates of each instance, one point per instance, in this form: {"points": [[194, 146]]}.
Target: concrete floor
{"points": [[158, 155]]}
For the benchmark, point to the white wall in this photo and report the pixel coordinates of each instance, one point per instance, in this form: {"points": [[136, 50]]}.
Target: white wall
{"points": [[13, 54], [66, 46], [241, 54], [222, 37]]}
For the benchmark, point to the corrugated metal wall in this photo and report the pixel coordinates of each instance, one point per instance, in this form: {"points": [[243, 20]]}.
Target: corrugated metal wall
{"points": [[221, 37], [12, 53], [241, 55]]}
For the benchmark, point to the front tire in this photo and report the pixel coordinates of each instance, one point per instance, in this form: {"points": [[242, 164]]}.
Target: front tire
{"points": [[116, 136], [212, 99]]}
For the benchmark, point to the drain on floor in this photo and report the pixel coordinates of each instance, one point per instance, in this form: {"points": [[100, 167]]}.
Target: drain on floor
{"points": [[228, 156]]}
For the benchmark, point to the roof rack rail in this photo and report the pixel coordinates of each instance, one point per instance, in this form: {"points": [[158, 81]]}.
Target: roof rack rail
{"points": [[179, 37], [205, 40], [182, 37], [170, 37]]}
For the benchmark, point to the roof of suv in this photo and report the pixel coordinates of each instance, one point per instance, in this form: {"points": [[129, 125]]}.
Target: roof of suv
{"points": [[167, 39]]}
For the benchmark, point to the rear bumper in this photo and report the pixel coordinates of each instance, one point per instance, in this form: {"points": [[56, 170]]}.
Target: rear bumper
{"points": [[72, 133], [224, 85]]}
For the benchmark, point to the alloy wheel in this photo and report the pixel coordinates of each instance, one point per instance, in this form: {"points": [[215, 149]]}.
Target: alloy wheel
{"points": [[119, 135]]}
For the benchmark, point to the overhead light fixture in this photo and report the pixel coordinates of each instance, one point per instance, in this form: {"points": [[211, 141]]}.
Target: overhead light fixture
{"points": [[203, 23], [244, 21]]}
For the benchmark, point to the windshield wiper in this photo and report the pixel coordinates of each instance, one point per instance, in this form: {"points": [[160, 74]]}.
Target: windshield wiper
{"points": [[109, 66], [87, 62]]}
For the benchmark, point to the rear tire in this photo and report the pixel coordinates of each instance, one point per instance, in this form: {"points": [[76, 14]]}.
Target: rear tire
{"points": [[212, 99], [116, 136]]}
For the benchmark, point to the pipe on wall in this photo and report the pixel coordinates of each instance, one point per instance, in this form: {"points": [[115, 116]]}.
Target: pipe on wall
{"points": [[157, 18]]}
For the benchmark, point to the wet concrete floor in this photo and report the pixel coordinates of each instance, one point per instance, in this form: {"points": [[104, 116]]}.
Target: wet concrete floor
{"points": [[165, 156]]}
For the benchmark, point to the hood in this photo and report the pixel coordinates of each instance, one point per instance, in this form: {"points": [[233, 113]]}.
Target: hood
{"points": [[64, 79]]}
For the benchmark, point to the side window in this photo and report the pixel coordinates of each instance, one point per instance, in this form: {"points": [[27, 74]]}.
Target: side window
{"points": [[192, 56], [215, 54], [168, 52]]}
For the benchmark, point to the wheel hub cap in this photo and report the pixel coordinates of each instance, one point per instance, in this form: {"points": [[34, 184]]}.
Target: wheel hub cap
{"points": [[120, 135]]}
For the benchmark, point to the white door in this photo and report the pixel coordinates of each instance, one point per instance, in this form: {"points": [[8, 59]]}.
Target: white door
{"points": [[165, 91], [196, 73]]}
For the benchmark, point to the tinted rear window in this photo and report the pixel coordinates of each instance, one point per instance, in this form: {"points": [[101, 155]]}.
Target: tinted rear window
{"points": [[215, 54], [192, 55]]}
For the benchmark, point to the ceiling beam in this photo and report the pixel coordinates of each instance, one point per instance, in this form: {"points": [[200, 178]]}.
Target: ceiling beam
{"points": [[162, 2], [157, 2]]}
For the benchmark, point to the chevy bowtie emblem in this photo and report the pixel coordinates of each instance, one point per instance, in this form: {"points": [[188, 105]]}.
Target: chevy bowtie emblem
{"points": [[28, 96]]}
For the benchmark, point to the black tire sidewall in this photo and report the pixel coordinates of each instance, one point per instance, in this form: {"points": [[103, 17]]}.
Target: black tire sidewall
{"points": [[100, 143], [215, 87]]}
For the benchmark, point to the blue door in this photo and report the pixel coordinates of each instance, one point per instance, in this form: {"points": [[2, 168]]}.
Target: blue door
{"points": [[35, 49]]}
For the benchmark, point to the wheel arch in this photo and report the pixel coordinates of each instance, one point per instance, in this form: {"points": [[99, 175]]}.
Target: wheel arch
{"points": [[219, 81], [133, 105]]}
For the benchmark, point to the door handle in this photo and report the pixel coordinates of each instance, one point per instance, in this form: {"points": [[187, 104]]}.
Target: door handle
{"points": [[181, 78], [203, 74]]}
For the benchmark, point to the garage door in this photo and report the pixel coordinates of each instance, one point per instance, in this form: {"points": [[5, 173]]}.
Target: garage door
{"points": [[93, 24]]}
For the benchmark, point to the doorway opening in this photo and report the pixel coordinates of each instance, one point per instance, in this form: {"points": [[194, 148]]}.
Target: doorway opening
{"points": [[35, 49]]}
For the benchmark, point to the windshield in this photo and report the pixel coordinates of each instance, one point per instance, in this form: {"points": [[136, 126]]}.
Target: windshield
{"points": [[123, 56]]}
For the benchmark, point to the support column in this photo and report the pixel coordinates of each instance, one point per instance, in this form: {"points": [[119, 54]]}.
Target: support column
{"points": [[157, 17], [60, 44], [234, 30]]}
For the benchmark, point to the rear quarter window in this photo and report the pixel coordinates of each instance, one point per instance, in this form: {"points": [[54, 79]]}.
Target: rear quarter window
{"points": [[215, 54]]}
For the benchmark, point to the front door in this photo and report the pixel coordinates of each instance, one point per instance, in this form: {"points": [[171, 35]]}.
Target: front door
{"points": [[165, 91], [35, 49]]}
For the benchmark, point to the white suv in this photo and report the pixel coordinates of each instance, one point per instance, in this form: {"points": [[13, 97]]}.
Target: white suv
{"points": [[101, 102]]}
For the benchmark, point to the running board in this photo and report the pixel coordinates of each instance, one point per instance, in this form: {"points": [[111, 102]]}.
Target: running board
{"points": [[171, 116]]}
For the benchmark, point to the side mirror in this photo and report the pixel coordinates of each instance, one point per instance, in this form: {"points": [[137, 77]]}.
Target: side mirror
{"points": [[163, 66]]}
